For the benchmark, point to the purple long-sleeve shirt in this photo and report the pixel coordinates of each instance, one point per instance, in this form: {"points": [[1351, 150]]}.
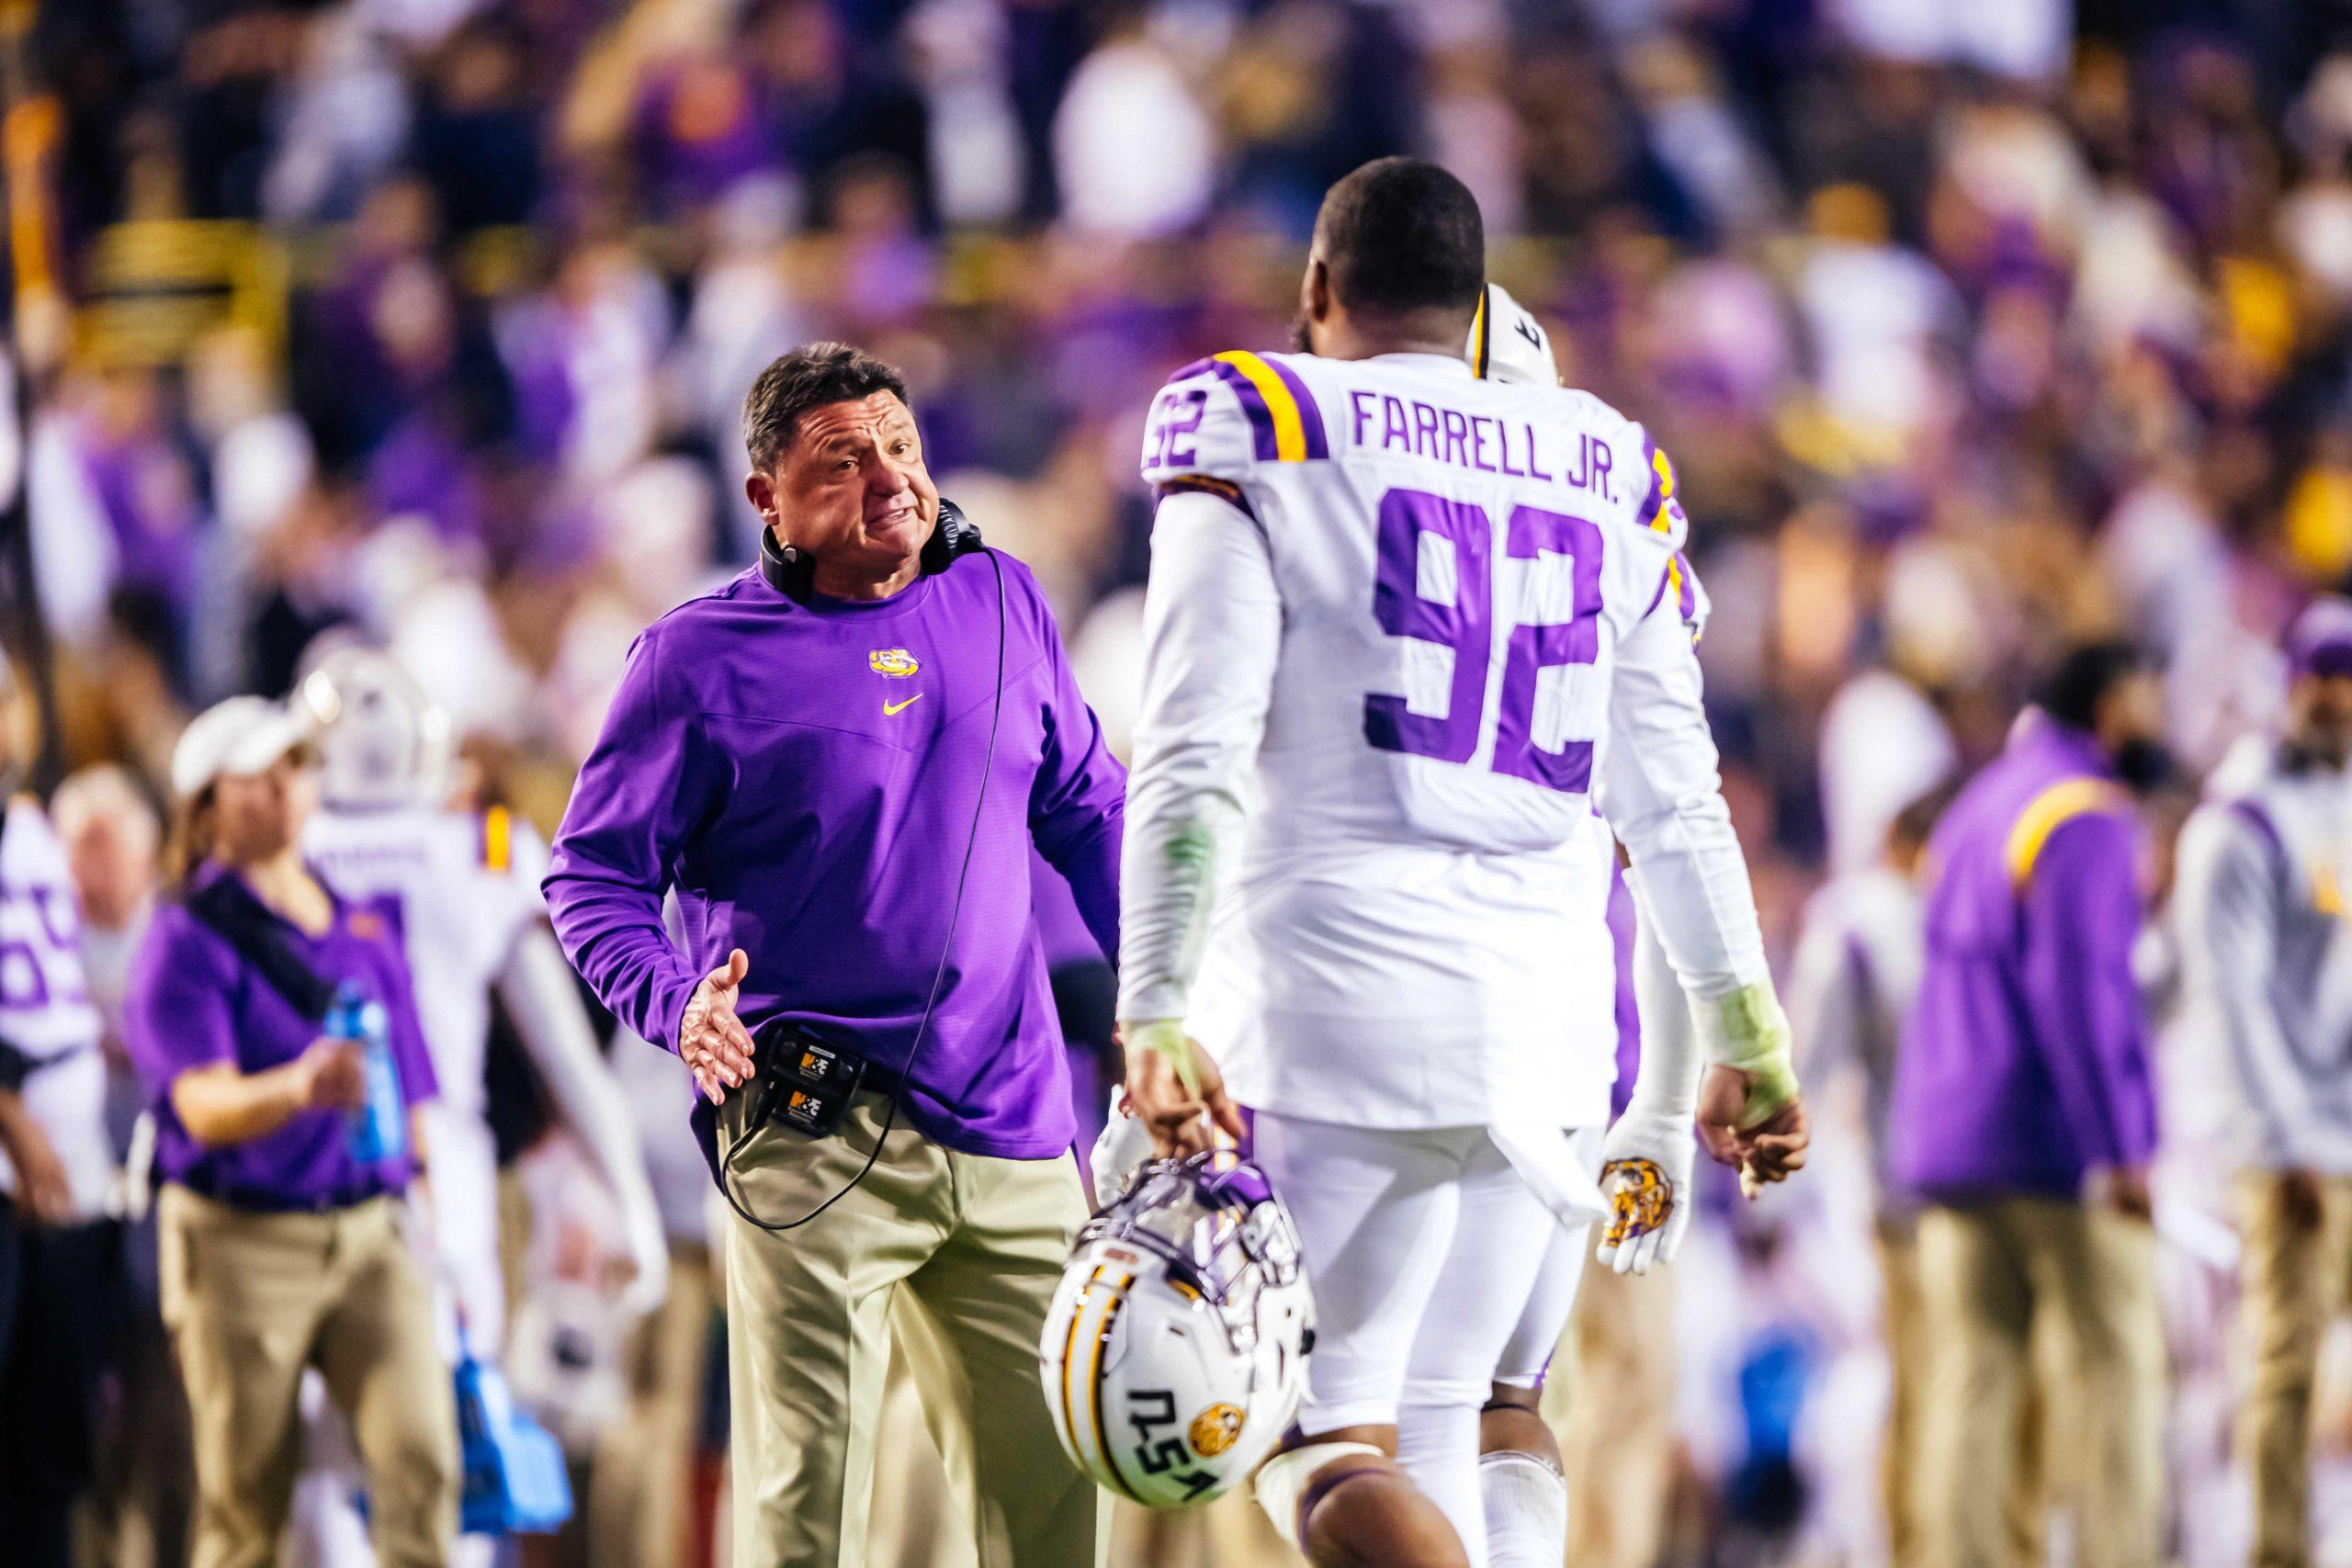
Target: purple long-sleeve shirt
{"points": [[804, 776], [2025, 1062], [195, 1001]]}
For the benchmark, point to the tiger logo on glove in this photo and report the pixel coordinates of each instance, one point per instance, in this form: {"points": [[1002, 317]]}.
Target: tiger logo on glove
{"points": [[1640, 1198]]}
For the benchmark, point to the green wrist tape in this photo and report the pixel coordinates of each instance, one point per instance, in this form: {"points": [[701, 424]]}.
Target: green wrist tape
{"points": [[1166, 1037], [1756, 1032]]}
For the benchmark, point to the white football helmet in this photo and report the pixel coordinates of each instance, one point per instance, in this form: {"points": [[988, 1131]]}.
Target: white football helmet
{"points": [[1175, 1352], [383, 740], [1508, 344]]}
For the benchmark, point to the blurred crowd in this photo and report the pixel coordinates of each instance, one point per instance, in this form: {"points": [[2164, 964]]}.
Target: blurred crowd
{"points": [[1972, 330]]}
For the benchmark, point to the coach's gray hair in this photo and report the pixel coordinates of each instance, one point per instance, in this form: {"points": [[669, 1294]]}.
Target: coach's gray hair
{"points": [[809, 377]]}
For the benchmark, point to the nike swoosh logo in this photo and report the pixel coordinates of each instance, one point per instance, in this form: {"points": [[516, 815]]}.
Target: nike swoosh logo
{"points": [[890, 708]]}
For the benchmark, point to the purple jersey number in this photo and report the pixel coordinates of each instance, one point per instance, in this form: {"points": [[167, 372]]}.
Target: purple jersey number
{"points": [[43, 965], [1534, 648], [1466, 626], [1168, 443]]}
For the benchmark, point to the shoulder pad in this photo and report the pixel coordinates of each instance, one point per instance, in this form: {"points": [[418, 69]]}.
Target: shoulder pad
{"points": [[1219, 417]]}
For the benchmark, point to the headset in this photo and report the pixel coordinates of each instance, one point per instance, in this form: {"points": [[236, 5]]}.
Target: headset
{"points": [[792, 573]]}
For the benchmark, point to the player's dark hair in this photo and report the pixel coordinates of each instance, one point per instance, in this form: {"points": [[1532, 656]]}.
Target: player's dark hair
{"points": [[1401, 234], [2070, 693], [809, 377]]}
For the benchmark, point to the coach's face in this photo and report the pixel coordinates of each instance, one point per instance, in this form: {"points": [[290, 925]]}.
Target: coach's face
{"points": [[850, 490]]}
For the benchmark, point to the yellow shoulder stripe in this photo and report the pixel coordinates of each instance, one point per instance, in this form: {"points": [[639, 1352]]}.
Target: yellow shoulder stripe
{"points": [[1290, 431], [498, 838], [2047, 812]]}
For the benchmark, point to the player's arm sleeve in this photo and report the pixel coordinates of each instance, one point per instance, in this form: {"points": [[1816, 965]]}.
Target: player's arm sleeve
{"points": [[2227, 899], [2082, 919], [639, 794], [1668, 1079], [1660, 789], [1078, 801], [537, 986], [1212, 636]]}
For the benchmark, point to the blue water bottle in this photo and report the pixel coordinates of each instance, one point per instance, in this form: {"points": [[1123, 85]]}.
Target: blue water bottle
{"points": [[379, 1131]]}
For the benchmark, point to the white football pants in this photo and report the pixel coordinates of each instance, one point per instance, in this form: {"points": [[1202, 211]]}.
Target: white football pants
{"points": [[1421, 1248]]}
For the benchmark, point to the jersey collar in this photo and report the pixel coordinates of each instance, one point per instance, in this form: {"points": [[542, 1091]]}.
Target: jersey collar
{"points": [[1441, 363]]}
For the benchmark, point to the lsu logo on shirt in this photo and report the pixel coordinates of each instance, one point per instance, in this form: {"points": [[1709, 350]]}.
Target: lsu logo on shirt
{"points": [[894, 662]]}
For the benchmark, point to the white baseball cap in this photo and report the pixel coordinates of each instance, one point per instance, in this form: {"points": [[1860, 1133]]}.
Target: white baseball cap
{"points": [[238, 737]]}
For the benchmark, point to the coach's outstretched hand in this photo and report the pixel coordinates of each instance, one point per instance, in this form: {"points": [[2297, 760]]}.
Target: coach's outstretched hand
{"points": [[1174, 1089], [1762, 1151], [712, 1040]]}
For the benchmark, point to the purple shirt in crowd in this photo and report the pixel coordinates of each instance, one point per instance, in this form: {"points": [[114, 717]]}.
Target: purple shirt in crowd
{"points": [[194, 1002], [804, 776], [2025, 1062]]}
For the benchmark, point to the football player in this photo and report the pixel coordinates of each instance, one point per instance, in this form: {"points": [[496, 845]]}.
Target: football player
{"points": [[1405, 626], [472, 922], [1646, 1158]]}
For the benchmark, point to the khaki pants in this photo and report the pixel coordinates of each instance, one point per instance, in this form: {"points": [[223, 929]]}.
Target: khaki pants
{"points": [[253, 1299], [643, 1482], [965, 1252], [2295, 1278], [1609, 1396], [1901, 1312], [1988, 1273]]}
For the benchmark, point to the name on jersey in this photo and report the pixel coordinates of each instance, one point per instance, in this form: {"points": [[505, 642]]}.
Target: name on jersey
{"points": [[1473, 441]]}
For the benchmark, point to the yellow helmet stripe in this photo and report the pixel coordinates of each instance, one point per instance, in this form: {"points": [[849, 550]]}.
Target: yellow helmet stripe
{"points": [[1482, 332], [1094, 1383], [497, 839], [1290, 431], [1070, 1357]]}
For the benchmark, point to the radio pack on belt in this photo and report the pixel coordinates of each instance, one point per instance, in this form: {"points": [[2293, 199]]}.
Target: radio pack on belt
{"points": [[805, 1084], [799, 1082]]}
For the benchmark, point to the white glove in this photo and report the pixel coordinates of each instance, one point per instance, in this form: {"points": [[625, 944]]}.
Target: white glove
{"points": [[1123, 1145], [1646, 1175]]}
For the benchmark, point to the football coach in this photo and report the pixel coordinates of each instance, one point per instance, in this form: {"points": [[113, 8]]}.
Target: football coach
{"points": [[837, 763]]}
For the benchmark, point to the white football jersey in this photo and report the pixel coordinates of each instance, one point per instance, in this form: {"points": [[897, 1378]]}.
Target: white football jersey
{"points": [[469, 886], [1455, 565], [46, 1010]]}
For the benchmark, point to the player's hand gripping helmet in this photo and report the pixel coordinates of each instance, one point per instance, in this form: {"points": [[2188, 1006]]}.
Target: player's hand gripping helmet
{"points": [[1175, 1353], [383, 740]]}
